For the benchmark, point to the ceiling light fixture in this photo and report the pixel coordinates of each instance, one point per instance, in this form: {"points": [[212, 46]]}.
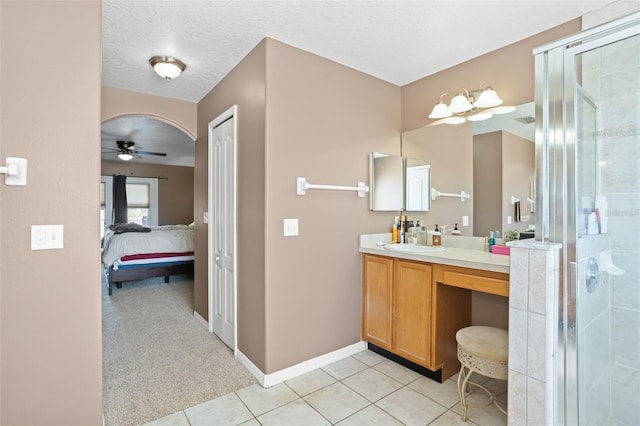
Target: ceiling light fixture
{"points": [[125, 156], [167, 67], [470, 106]]}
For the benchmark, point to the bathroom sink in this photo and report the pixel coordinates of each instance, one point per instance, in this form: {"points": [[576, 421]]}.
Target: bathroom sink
{"points": [[413, 248]]}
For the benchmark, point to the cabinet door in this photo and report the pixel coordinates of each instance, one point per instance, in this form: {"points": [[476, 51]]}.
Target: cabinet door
{"points": [[377, 273], [412, 311]]}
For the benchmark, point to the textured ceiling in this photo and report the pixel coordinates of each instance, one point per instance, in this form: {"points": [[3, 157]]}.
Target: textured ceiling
{"points": [[396, 41]]}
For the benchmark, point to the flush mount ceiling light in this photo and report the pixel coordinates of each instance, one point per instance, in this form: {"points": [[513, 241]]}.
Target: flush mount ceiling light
{"points": [[470, 106], [167, 67]]}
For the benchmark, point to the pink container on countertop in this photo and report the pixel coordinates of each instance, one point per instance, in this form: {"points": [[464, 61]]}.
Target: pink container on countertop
{"points": [[501, 250]]}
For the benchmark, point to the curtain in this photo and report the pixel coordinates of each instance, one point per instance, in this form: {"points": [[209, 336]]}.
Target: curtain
{"points": [[120, 199]]}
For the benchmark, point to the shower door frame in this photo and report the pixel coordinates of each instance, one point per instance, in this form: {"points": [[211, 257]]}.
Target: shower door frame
{"points": [[556, 176]]}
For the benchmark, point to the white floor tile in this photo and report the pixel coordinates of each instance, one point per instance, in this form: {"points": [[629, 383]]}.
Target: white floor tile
{"points": [[336, 402], [175, 419], [369, 357], [252, 422], [443, 393], [223, 411], [310, 382], [481, 411], [260, 400], [296, 413], [410, 407], [372, 384], [451, 419], [370, 416], [397, 372], [345, 368]]}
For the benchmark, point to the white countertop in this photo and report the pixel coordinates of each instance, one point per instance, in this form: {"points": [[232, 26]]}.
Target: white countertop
{"points": [[463, 257]]}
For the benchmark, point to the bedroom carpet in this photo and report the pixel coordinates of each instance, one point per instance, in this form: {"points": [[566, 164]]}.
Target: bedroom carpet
{"points": [[157, 358]]}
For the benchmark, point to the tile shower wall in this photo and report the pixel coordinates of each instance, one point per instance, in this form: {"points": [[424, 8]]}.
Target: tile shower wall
{"points": [[534, 277], [611, 318]]}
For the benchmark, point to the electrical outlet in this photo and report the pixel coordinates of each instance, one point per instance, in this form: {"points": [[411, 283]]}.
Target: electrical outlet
{"points": [[290, 227]]}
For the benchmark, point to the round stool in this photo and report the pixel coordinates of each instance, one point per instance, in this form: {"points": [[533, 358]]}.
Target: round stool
{"points": [[482, 350]]}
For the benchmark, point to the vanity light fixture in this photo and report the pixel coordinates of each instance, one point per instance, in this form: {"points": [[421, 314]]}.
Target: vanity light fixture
{"points": [[167, 67], [476, 105]]}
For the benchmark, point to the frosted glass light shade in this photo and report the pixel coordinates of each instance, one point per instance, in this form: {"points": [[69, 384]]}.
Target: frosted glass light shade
{"points": [[125, 156], [459, 104], [440, 111], [167, 67], [480, 116], [455, 120], [488, 98]]}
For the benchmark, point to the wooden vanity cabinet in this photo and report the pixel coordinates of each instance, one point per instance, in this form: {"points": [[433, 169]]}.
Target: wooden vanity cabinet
{"points": [[377, 300], [397, 306]]}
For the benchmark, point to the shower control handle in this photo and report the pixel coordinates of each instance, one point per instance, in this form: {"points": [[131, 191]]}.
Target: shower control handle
{"points": [[593, 274]]}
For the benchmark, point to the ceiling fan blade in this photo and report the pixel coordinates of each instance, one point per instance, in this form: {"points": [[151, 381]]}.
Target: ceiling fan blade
{"points": [[161, 154]]}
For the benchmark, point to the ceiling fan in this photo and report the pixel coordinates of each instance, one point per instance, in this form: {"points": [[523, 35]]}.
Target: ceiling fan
{"points": [[126, 151]]}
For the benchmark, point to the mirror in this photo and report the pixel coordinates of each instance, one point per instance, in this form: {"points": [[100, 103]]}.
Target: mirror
{"points": [[417, 185], [399, 183], [386, 177], [460, 161], [504, 171]]}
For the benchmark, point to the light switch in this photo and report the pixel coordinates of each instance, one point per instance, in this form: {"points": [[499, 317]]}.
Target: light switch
{"points": [[47, 237], [509, 219], [290, 227], [465, 220]]}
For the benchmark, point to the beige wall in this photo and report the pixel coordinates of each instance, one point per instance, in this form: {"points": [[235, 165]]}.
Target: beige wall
{"points": [[51, 354], [298, 297], [120, 102], [175, 188], [322, 121], [244, 86]]}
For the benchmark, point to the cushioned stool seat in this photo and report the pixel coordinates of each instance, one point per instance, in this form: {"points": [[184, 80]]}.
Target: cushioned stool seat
{"points": [[485, 351]]}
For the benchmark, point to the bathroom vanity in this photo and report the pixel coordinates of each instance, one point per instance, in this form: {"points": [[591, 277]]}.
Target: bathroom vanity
{"points": [[414, 303]]}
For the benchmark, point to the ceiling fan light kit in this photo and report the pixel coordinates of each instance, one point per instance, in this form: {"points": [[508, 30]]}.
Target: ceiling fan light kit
{"points": [[167, 67], [469, 106], [126, 151], [125, 156]]}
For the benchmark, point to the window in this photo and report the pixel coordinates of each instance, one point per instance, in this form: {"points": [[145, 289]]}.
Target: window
{"points": [[142, 201]]}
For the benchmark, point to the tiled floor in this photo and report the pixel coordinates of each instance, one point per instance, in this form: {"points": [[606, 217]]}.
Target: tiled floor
{"points": [[365, 389]]}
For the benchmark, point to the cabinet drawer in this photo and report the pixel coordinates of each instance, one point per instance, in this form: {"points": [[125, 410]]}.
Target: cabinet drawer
{"points": [[498, 284]]}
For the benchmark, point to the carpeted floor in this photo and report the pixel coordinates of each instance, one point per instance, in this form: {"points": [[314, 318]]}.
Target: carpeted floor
{"points": [[157, 358]]}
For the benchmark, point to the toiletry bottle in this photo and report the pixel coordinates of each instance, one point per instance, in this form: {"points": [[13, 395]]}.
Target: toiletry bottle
{"points": [[394, 230], [455, 231], [486, 244], [422, 234], [401, 231], [437, 237], [492, 240]]}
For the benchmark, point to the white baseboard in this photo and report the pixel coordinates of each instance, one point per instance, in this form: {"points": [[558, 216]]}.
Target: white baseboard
{"points": [[201, 320], [268, 380]]}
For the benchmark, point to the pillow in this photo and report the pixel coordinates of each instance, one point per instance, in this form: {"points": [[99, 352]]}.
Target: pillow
{"points": [[120, 228]]}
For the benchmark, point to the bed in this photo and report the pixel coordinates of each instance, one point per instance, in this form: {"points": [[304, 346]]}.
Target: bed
{"points": [[133, 252]]}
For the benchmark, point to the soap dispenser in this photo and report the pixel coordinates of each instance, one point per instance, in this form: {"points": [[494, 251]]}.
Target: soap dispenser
{"points": [[437, 237], [455, 231]]}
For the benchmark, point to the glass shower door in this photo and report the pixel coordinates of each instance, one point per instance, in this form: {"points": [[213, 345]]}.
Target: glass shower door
{"points": [[601, 104], [588, 169]]}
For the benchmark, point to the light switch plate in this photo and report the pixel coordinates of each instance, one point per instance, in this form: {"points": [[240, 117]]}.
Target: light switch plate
{"points": [[47, 237], [290, 227], [465, 220]]}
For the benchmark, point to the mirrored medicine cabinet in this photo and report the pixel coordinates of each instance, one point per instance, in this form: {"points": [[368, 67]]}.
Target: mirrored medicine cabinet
{"points": [[399, 183]]}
